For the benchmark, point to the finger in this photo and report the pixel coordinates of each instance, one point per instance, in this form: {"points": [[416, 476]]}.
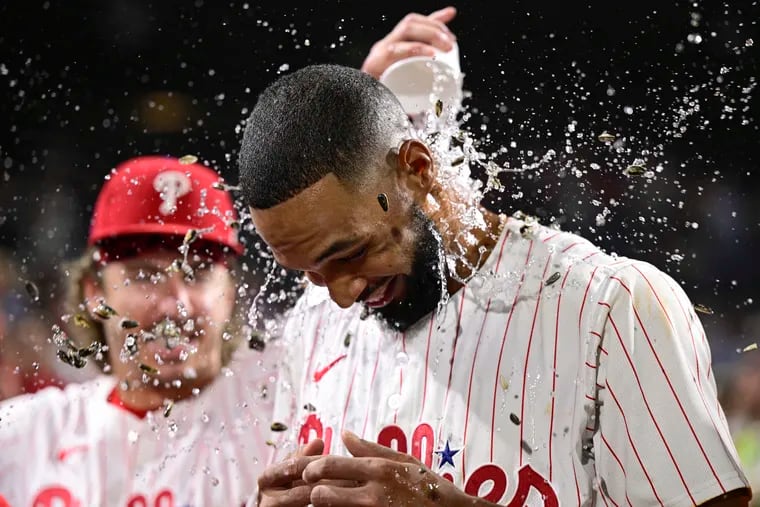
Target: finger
{"points": [[359, 447], [312, 448], [401, 50], [325, 495], [444, 15], [293, 497], [417, 28], [344, 468], [284, 473]]}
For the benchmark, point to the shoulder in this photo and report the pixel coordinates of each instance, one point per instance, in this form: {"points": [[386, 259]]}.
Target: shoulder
{"points": [[48, 407]]}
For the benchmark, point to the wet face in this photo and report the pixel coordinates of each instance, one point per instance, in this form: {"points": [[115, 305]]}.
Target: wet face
{"points": [[371, 243], [179, 323]]}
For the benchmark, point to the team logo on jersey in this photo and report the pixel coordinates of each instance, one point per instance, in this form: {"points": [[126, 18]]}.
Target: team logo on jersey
{"points": [[476, 483], [171, 185]]}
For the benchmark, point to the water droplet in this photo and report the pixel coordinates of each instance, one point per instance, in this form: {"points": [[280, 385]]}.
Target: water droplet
{"points": [[394, 401]]}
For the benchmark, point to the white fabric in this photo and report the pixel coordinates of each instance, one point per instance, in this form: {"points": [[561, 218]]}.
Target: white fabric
{"points": [[72, 447], [606, 372]]}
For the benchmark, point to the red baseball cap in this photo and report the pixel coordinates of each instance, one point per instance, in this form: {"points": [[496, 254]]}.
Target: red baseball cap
{"points": [[164, 196]]}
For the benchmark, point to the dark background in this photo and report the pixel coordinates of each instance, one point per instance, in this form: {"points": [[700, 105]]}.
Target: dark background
{"points": [[85, 85]]}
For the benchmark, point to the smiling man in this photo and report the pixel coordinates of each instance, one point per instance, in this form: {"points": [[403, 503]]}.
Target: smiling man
{"points": [[448, 355], [153, 301]]}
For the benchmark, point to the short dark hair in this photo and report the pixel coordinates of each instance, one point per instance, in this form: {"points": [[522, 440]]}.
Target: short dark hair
{"points": [[317, 120]]}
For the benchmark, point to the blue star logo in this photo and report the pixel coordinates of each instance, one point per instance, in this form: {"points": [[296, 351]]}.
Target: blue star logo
{"points": [[446, 455]]}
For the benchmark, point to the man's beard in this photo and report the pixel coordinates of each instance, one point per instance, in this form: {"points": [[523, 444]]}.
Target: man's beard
{"points": [[426, 281]]}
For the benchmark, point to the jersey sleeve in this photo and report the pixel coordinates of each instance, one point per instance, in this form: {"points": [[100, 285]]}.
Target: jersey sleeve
{"points": [[661, 435]]}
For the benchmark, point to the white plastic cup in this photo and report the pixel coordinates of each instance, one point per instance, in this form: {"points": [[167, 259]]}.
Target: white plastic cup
{"points": [[420, 81]]}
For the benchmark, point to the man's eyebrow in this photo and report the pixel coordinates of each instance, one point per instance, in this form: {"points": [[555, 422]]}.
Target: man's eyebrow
{"points": [[338, 246]]}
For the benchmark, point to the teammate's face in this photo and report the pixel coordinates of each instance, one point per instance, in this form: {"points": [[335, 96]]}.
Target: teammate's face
{"points": [[341, 237], [179, 322]]}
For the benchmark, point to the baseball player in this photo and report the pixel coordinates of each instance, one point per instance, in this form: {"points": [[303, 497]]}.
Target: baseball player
{"points": [[448, 355], [154, 304], [176, 417]]}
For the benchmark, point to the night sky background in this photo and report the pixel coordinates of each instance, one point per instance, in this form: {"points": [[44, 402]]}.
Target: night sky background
{"points": [[85, 85]]}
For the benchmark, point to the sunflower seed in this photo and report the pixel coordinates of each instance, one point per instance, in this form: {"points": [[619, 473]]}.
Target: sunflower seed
{"points": [[555, 276], [278, 426], [438, 107], [606, 137], [168, 408], [310, 408], [104, 311], [347, 340], [32, 290], [635, 170], [504, 382], [190, 236], [526, 447], [128, 324], [188, 159], [148, 369], [513, 417], [256, 342], [89, 350], [72, 359], [383, 200], [703, 309], [81, 321]]}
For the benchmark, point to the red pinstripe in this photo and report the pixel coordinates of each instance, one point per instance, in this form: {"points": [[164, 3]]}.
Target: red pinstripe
{"points": [[554, 376], [371, 385], [646, 403], [699, 385], [348, 398], [401, 376], [577, 488], [527, 357], [454, 351], [592, 366], [316, 336], [427, 355], [571, 246], [501, 352], [630, 441], [474, 357], [601, 494], [546, 240], [667, 379], [620, 463], [657, 296], [585, 296]]}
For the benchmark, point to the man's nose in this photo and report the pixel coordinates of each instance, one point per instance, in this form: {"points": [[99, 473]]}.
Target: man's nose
{"points": [[345, 290], [176, 299]]}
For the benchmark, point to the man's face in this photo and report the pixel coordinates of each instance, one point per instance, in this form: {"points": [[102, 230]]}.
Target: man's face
{"points": [[179, 323], [342, 238]]}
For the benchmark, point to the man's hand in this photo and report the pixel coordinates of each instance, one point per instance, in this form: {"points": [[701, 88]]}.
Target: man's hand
{"points": [[381, 476], [415, 35], [280, 485]]}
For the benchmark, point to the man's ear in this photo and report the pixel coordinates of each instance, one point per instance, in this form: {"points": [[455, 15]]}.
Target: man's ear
{"points": [[415, 168]]}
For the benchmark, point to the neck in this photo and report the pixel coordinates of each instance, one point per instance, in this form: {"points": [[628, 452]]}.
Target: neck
{"points": [[454, 220], [144, 398]]}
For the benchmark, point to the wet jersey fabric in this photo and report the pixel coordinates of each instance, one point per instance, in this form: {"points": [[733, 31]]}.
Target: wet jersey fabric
{"points": [[559, 375], [75, 448]]}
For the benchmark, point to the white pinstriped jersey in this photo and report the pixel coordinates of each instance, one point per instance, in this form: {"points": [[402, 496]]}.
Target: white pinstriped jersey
{"points": [[558, 375], [72, 448]]}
